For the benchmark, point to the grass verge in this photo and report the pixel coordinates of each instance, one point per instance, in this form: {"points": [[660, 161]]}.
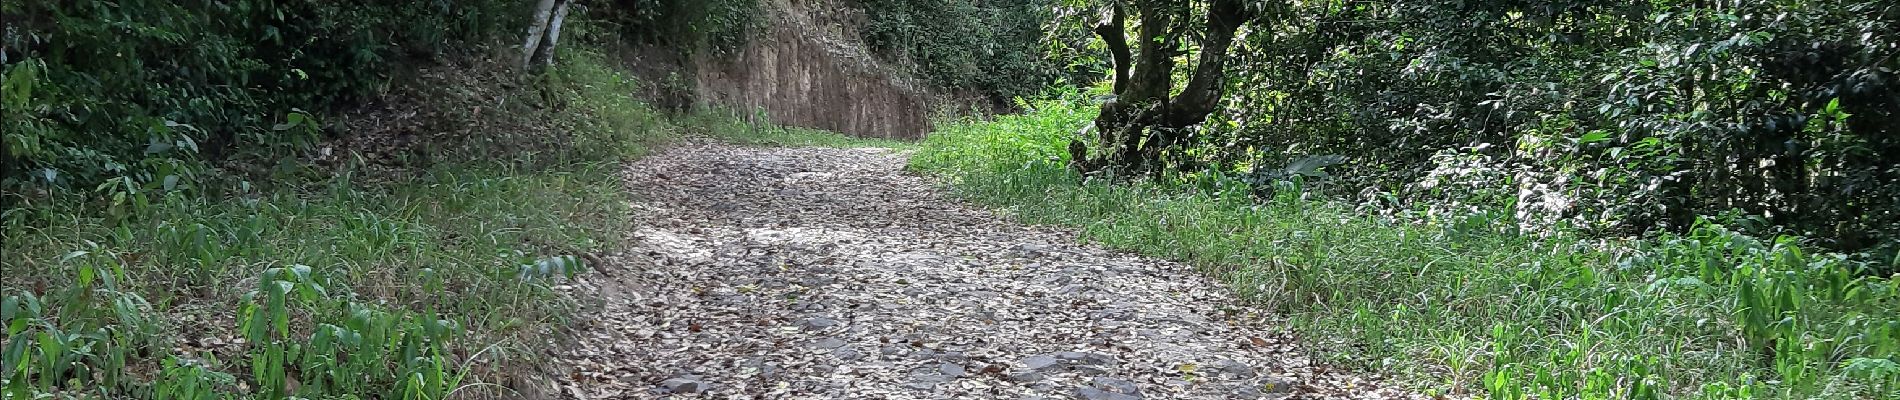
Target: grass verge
{"points": [[741, 128], [1458, 304], [351, 281]]}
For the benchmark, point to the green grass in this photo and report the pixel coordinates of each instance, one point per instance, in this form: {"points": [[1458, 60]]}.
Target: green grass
{"points": [[740, 128], [348, 281], [1459, 304], [448, 244], [417, 282]]}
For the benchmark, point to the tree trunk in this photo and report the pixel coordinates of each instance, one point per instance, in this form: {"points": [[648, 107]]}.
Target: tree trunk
{"points": [[1111, 33], [544, 54], [1143, 121], [1203, 91], [1154, 68], [537, 27]]}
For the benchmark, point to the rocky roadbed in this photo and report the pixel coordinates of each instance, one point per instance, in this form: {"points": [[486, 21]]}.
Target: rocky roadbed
{"points": [[822, 273]]}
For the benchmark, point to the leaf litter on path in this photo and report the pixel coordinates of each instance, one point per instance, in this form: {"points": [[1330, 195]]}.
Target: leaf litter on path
{"points": [[825, 273]]}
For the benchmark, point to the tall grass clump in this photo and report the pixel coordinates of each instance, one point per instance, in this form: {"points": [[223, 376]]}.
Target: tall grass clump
{"points": [[1002, 145], [1467, 303]]}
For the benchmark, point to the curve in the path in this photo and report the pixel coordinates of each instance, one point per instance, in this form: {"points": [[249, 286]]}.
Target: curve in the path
{"points": [[821, 273]]}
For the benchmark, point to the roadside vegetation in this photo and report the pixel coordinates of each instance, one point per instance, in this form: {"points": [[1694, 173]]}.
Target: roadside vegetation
{"points": [[352, 278], [386, 219], [1466, 303], [751, 129], [1539, 199]]}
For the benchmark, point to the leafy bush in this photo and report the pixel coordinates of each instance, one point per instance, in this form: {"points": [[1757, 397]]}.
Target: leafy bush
{"points": [[688, 25], [143, 91], [994, 148], [337, 280], [990, 48], [1460, 301], [1614, 117]]}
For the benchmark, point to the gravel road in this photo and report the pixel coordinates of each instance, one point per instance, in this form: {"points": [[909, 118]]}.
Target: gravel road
{"points": [[824, 273]]}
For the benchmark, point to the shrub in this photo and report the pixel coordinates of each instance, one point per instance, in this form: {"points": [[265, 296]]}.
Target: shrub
{"points": [[1456, 298], [145, 91]]}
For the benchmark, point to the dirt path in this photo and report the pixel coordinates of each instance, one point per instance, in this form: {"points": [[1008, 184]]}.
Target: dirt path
{"points": [[816, 273]]}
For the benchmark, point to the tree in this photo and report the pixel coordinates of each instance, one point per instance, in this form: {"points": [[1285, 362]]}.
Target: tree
{"points": [[544, 31], [1143, 119]]}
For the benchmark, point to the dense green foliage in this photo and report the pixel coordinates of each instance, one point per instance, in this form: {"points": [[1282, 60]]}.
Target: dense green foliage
{"points": [[1611, 117], [987, 47], [687, 25], [388, 285], [138, 92], [967, 47], [235, 250], [1458, 303]]}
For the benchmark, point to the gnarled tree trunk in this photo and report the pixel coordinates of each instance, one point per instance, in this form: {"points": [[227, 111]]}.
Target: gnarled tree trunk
{"points": [[1143, 120]]}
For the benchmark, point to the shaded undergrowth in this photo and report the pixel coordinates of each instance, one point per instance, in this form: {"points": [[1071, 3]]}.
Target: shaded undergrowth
{"points": [[752, 129], [1468, 303], [382, 266], [359, 277]]}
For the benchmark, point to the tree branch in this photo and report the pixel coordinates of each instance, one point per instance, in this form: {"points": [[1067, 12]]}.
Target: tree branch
{"points": [[1224, 18], [1151, 77], [1112, 33]]}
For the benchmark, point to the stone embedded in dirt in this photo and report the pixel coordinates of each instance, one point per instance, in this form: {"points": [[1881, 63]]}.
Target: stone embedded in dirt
{"points": [[1087, 358], [1088, 370], [953, 356], [829, 343], [927, 378], [847, 354], [1278, 384], [891, 350], [1098, 394], [1025, 376], [1029, 250], [818, 323], [951, 370], [685, 384], [1234, 369], [1042, 362], [1115, 385]]}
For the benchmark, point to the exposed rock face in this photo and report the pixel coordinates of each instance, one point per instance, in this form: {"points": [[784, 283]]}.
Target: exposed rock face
{"points": [[805, 68]]}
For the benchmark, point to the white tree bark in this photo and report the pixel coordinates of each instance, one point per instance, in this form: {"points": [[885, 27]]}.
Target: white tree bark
{"points": [[544, 54], [537, 27]]}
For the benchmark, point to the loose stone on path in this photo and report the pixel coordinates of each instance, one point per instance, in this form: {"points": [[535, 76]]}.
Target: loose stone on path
{"points": [[823, 273]]}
